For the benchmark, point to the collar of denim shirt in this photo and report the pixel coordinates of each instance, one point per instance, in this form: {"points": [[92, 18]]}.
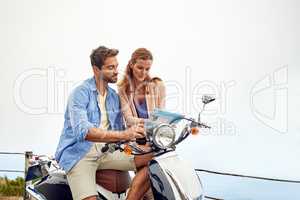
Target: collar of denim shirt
{"points": [[92, 85]]}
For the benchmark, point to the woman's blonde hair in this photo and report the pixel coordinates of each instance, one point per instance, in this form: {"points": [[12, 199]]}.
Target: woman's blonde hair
{"points": [[126, 82]]}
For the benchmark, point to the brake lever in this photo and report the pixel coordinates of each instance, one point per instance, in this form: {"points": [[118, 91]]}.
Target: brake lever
{"points": [[195, 123], [204, 125], [199, 124]]}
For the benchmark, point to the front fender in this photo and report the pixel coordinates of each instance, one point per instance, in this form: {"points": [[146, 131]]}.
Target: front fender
{"points": [[172, 178]]}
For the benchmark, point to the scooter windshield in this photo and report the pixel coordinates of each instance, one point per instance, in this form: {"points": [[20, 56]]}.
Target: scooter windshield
{"points": [[166, 116], [159, 116]]}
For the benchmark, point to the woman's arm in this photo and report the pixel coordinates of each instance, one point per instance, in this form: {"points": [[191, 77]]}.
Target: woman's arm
{"points": [[130, 119]]}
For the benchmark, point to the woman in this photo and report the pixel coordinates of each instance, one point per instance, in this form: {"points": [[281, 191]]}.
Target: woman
{"points": [[139, 93]]}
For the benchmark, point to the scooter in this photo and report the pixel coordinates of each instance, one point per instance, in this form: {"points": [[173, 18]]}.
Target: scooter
{"points": [[171, 178]]}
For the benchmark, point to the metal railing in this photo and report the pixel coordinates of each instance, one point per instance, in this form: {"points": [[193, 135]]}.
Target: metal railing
{"points": [[247, 176]]}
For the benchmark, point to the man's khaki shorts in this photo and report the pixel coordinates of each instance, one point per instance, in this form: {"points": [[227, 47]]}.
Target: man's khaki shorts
{"points": [[82, 178]]}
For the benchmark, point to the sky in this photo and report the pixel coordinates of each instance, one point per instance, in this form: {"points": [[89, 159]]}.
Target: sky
{"points": [[245, 53]]}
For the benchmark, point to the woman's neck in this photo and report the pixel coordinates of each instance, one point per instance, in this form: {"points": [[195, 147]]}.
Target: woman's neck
{"points": [[138, 85]]}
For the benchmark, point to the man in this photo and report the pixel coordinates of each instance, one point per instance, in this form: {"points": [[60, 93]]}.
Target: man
{"points": [[93, 117]]}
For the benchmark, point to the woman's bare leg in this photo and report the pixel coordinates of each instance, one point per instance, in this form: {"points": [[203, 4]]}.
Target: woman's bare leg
{"points": [[139, 185]]}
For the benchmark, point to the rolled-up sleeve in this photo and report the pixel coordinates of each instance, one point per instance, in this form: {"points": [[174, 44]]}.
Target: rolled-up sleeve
{"points": [[77, 106]]}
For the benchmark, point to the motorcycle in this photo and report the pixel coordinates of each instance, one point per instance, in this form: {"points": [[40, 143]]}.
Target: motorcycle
{"points": [[171, 178]]}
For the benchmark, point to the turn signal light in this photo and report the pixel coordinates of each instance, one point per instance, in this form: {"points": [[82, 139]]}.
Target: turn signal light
{"points": [[194, 130], [127, 150]]}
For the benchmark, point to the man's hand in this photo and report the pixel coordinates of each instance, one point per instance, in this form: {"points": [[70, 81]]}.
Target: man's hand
{"points": [[136, 131], [100, 135]]}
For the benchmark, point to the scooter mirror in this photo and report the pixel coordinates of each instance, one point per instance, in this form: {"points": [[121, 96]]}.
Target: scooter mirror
{"points": [[207, 99]]}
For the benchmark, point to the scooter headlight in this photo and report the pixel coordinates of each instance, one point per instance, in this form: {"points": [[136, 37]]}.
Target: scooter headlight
{"points": [[163, 136]]}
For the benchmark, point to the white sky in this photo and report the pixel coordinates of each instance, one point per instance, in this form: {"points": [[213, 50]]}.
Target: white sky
{"points": [[241, 51]]}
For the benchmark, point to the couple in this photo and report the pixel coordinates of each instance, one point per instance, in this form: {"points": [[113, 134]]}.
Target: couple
{"points": [[94, 116]]}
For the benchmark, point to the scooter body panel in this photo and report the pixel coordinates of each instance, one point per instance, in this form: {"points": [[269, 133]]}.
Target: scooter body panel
{"points": [[172, 179], [54, 187]]}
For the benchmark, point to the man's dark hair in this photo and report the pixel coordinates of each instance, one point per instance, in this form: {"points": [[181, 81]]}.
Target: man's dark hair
{"points": [[99, 55]]}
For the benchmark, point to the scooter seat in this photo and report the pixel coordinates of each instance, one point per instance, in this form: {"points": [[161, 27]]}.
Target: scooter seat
{"points": [[113, 180]]}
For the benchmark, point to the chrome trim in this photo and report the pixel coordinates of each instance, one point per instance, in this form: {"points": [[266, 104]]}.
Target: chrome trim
{"points": [[30, 189], [155, 131], [182, 193]]}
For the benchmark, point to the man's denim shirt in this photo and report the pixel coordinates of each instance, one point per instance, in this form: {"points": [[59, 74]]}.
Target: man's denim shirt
{"points": [[83, 113]]}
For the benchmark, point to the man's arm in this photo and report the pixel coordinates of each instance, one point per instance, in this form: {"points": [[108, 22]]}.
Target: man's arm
{"points": [[100, 135], [77, 104], [84, 130]]}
